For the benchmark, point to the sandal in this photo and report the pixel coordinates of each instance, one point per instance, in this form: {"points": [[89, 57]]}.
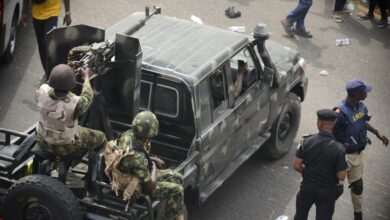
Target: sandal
{"points": [[337, 18], [301, 33]]}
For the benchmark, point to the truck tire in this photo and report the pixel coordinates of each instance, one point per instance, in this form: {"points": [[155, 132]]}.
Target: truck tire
{"points": [[285, 129], [40, 197], [10, 51]]}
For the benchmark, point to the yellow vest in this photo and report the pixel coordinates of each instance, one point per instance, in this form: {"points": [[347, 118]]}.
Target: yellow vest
{"points": [[47, 9]]}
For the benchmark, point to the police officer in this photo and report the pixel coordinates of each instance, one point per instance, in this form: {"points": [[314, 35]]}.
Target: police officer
{"points": [[159, 183], [351, 130], [321, 160], [57, 130]]}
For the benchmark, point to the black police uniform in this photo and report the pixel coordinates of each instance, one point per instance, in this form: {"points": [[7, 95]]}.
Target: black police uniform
{"points": [[323, 157]]}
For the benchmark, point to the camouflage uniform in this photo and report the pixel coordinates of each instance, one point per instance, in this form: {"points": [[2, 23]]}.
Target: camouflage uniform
{"points": [[169, 182], [84, 138]]}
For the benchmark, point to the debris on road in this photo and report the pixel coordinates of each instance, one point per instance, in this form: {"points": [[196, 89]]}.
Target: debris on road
{"points": [[343, 42], [196, 19], [240, 29], [232, 12], [282, 217], [324, 73]]}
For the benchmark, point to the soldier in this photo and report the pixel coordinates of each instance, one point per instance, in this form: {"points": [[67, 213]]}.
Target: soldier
{"points": [[136, 162], [321, 160], [58, 131], [351, 130]]}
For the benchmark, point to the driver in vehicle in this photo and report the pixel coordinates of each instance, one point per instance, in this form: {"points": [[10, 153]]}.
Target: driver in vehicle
{"points": [[136, 162], [242, 71], [57, 130]]}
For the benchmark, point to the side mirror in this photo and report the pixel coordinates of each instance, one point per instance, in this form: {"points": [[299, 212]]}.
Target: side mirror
{"points": [[268, 75]]}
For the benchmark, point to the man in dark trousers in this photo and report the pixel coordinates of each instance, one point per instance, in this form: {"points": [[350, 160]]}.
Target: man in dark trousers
{"points": [[370, 15], [45, 17], [321, 160], [351, 130]]}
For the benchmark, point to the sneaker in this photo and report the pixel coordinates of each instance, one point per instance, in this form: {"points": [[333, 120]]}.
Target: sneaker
{"points": [[287, 27], [382, 23], [303, 33], [366, 17]]}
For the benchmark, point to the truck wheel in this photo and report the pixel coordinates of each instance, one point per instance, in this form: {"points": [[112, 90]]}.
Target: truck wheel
{"points": [[10, 51], [40, 197], [285, 129]]}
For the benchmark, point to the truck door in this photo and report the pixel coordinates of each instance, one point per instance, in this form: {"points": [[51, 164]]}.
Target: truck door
{"points": [[215, 127], [251, 104]]}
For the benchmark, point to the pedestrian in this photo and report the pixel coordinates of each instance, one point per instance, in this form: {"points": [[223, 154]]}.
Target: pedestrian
{"points": [[338, 9], [297, 16], [321, 161], [57, 130], [370, 15], [351, 130], [45, 18], [137, 163]]}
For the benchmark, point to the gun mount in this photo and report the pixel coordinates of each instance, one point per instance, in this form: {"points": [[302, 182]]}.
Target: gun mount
{"points": [[115, 65]]}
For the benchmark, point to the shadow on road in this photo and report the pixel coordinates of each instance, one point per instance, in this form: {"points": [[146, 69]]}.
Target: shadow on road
{"points": [[274, 183]]}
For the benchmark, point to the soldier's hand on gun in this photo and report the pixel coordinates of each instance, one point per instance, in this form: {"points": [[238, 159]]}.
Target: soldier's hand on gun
{"points": [[85, 73]]}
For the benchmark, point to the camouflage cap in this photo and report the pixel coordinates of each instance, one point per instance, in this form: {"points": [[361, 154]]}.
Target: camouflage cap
{"points": [[145, 124], [62, 78]]}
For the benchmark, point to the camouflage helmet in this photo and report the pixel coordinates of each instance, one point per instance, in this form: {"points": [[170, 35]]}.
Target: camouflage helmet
{"points": [[145, 124], [62, 78]]}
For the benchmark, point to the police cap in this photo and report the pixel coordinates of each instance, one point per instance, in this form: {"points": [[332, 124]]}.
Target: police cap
{"points": [[357, 85], [326, 115]]}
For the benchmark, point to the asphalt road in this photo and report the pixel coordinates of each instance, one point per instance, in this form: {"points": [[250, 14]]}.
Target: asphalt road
{"points": [[260, 189]]}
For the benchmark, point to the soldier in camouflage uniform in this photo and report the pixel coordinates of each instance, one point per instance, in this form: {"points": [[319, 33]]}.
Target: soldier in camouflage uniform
{"points": [[159, 183], [58, 131]]}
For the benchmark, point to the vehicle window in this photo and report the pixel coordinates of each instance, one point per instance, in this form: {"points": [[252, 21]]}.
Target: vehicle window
{"points": [[218, 91], [167, 102], [146, 91], [204, 100], [243, 71]]}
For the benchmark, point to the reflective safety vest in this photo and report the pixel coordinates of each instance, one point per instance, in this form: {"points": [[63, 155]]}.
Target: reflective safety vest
{"points": [[356, 132], [119, 181], [56, 123]]}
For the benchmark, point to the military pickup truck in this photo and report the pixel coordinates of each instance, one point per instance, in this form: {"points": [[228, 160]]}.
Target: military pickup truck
{"points": [[187, 74]]}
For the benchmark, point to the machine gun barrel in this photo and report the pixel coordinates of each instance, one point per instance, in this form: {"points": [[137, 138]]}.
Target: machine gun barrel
{"points": [[131, 30]]}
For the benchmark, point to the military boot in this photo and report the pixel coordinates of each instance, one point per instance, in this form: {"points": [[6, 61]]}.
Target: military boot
{"points": [[358, 216]]}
